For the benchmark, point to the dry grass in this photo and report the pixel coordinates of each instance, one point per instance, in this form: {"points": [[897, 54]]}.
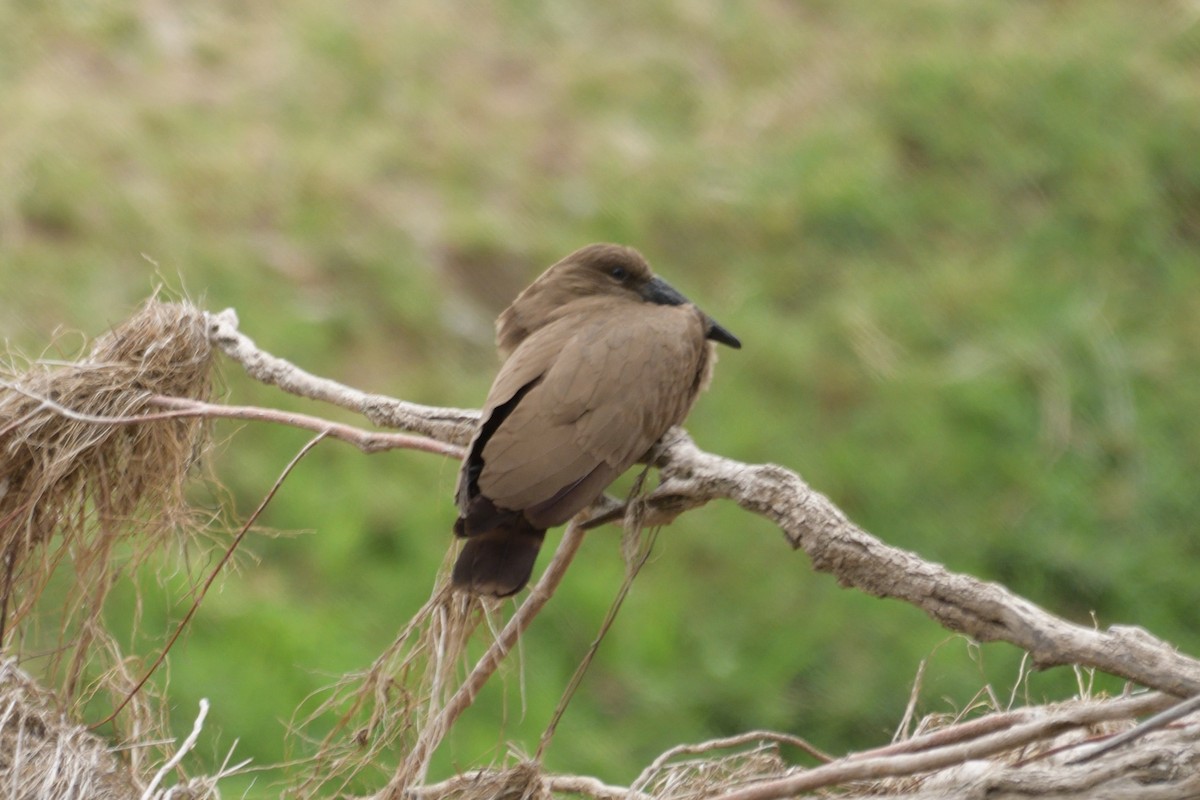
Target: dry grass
{"points": [[382, 711], [90, 486], [703, 777], [66, 464], [46, 754]]}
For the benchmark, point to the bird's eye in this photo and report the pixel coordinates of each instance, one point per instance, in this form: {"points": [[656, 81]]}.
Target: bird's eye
{"points": [[619, 274]]}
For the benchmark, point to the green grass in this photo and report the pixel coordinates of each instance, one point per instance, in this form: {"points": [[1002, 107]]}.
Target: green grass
{"points": [[960, 243]]}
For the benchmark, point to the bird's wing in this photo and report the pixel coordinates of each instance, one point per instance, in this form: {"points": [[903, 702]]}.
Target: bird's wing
{"points": [[604, 386]]}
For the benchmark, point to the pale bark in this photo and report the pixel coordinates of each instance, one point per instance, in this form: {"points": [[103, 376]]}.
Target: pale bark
{"points": [[692, 477], [1166, 764]]}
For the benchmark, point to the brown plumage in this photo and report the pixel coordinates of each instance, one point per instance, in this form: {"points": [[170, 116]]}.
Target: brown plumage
{"points": [[601, 358]]}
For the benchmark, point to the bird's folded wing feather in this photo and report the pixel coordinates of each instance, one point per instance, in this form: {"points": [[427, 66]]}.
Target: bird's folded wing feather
{"points": [[611, 383]]}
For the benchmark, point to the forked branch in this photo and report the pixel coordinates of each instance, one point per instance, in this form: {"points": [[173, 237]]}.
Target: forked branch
{"points": [[691, 477]]}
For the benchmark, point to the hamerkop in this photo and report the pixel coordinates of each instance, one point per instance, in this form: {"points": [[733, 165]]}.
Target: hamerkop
{"points": [[601, 357]]}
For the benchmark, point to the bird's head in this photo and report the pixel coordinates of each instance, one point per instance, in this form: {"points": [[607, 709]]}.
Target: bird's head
{"points": [[596, 271]]}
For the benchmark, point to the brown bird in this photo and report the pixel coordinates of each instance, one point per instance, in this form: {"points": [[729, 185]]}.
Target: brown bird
{"points": [[601, 358]]}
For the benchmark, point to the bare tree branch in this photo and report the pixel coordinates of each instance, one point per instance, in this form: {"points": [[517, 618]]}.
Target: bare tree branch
{"points": [[450, 425], [984, 611], [967, 760], [1012, 754], [1158, 721], [366, 441], [691, 477]]}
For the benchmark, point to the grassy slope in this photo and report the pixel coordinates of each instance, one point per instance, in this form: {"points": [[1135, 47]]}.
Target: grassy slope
{"points": [[960, 244]]}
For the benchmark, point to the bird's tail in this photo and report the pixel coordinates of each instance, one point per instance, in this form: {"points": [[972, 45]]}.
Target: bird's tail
{"points": [[499, 561]]}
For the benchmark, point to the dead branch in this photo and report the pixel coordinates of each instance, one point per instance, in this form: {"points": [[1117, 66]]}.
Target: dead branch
{"points": [[450, 425], [127, 384], [966, 760], [984, 611], [962, 603], [1040, 725], [366, 441], [1157, 722], [691, 477]]}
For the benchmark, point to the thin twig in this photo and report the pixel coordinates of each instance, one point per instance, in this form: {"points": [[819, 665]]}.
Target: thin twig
{"points": [[366, 441], [80, 416], [913, 695], [183, 750], [450, 425], [960, 732], [634, 562], [10, 560], [211, 578], [1155, 722], [182, 407]]}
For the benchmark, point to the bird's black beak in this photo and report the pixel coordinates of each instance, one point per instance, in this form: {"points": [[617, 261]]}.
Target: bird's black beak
{"points": [[656, 290], [659, 291], [720, 334]]}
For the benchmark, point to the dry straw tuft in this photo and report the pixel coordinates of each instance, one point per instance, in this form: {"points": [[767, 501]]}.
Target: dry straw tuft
{"points": [[47, 755], [388, 708], [60, 463], [520, 782], [87, 481]]}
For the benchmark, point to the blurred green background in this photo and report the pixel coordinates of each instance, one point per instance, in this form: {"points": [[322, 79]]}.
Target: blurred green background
{"points": [[960, 241]]}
